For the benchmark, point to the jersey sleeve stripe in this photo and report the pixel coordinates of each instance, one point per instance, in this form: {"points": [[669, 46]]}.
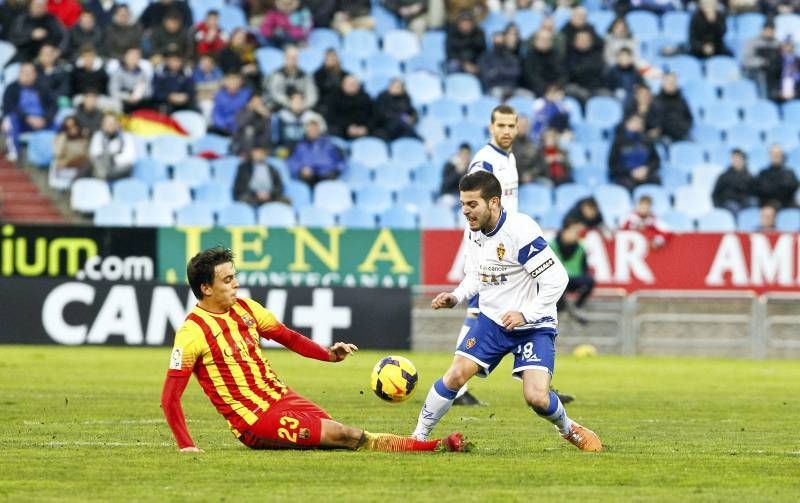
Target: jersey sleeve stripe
{"points": [[531, 249], [268, 378]]}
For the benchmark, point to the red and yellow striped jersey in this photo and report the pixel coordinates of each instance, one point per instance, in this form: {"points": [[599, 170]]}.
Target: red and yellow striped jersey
{"points": [[224, 353]]}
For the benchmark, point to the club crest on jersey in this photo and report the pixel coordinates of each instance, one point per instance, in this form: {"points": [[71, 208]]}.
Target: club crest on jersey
{"points": [[471, 342], [501, 251], [304, 433], [250, 322]]}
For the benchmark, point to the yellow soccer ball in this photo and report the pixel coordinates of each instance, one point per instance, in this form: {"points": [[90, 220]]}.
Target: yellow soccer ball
{"points": [[394, 379], [584, 351]]}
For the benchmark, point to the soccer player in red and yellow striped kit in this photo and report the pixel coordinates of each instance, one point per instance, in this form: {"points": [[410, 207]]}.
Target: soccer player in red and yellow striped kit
{"points": [[219, 343]]}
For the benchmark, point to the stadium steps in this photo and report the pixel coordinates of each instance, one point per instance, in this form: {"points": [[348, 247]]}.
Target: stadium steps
{"points": [[22, 200]]}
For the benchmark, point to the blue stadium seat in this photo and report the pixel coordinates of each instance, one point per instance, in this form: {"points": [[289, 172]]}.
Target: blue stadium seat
{"points": [[171, 193], [684, 155], [369, 151], [741, 92], [675, 26], [352, 63], [195, 215], [398, 217], [603, 112], [721, 115], [480, 110], [193, 171], [764, 113], [276, 215], [416, 197], [786, 135], [381, 63], [561, 16], [743, 135], [614, 202], [377, 83], [468, 132], [462, 87], [687, 67], [40, 148], [677, 221], [706, 134], [590, 176], [393, 176], [528, 22], [719, 153], [114, 215], [493, 22], [130, 191], [236, 214], [757, 158], [577, 154], [522, 104], [361, 42], [425, 62], [657, 193], [433, 43], [169, 149], [153, 214], [213, 194], [374, 199], [672, 178], [409, 151], [600, 19], [747, 219], [791, 111], [401, 44], [385, 21], [357, 176], [586, 132], [692, 201], [574, 110], [787, 25], [333, 196], [231, 17], [598, 153], [447, 111], [215, 143], [356, 218], [788, 220], [10, 73], [699, 94], [313, 216], [535, 199], [193, 122], [644, 24], [423, 87], [88, 194], [749, 25], [717, 220], [704, 176], [150, 170], [429, 176], [311, 58], [224, 170], [568, 194], [552, 219], [324, 38], [722, 69], [437, 217], [431, 130], [7, 52], [269, 59]]}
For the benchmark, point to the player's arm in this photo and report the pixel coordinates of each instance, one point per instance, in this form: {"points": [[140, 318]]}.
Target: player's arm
{"points": [[469, 286], [174, 386]]}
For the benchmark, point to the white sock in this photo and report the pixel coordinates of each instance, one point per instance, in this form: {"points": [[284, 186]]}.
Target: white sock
{"points": [[556, 414], [436, 405], [464, 329]]}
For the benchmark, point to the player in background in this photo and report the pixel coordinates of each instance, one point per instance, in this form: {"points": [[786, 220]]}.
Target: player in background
{"points": [[496, 158], [219, 343], [519, 279]]}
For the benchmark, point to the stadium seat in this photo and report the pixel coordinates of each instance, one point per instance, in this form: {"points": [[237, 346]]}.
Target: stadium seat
{"points": [[480, 110], [433, 43], [614, 202], [374, 199], [130, 191], [114, 215], [324, 38], [171, 193], [603, 111], [431, 130], [706, 134], [88, 194], [169, 149], [195, 215], [720, 115], [40, 148], [757, 158], [749, 25], [577, 154], [590, 176], [310, 58], [213, 194], [153, 214], [150, 170], [574, 110], [552, 219], [528, 22], [786, 25], [468, 132], [362, 43], [7, 52], [236, 214], [677, 221], [401, 44], [764, 113], [743, 135], [269, 59], [741, 92], [377, 83], [535, 199], [791, 111], [600, 19], [659, 195], [786, 135], [211, 143], [193, 122], [415, 198], [409, 151], [382, 64], [684, 155], [692, 201], [298, 192], [722, 69], [598, 153], [493, 22], [276, 215], [699, 94], [437, 217], [369, 151], [10, 73], [429, 176], [643, 24], [561, 16], [522, 104], [716, 220], [193, 171], [312, 216], [568, 194], [462, 87], [398, 217], [224, 169], [687, 67], [231, 17], [357, 176], [333, 196], [385, 20], [447, 111], [788, 220], [424, 62], [586, 132], [393, 176], [747, 219], [355, 218], [675, 26]]}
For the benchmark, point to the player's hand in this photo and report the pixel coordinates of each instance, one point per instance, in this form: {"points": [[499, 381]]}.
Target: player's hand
{"points": [[341, 350], [444, 299], [192, 449], [512, 320]]}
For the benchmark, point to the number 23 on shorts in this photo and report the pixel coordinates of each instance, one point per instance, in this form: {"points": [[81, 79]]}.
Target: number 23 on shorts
{"points": [[290, 431]]}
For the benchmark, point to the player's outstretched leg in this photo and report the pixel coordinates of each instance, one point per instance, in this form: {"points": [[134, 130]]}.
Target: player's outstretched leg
{"points": [[441, 395], [463, 396], [386, 442]]}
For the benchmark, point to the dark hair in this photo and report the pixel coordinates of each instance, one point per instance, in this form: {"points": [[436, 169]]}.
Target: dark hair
{"points": [[625, 50], [740, 152], [570, 221], [484, 181], [200, 269], [646, 199], [503, 109]]}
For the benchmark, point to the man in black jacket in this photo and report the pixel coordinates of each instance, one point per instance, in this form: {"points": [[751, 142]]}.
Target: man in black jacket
{"points": [[735, 188], [256, 181], [670, 110], [586, 68], [465, 44], [27, 106], [776, 184], [351, 112], [33, 29], [543, 64]]}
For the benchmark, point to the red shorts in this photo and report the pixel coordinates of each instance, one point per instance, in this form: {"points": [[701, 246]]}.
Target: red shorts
{"points": [[291, 423]]}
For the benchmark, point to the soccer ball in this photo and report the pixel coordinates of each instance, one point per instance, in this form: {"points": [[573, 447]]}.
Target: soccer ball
{"points": [[394, 379]]}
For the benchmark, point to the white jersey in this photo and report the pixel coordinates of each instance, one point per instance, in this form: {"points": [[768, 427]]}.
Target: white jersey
{"points": [[513, 269], [503, 166]]}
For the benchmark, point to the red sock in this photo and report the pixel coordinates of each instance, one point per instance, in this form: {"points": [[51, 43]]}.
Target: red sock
{"points": [[386, 442]]}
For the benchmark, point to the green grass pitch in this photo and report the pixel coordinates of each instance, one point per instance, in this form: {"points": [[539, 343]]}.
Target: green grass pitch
{"points": [[85, 424]]}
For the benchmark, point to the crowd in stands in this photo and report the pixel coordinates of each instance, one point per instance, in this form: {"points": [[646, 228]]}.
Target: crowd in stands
{"points": [[617, 100]]}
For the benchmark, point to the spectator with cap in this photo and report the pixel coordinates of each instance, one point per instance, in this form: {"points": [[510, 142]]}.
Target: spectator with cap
{"points": [[228, 102], [315, 158], [464, 44], [122, 34], [351, 112], [777, 183], [633, 159], [288, 79], [257, 181], [33, 29], [27, 107], [735, 188]]}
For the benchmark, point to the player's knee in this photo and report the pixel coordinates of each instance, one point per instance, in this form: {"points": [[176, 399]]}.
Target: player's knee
{"points": [[537, 398], [455, 377], [340, 435]]}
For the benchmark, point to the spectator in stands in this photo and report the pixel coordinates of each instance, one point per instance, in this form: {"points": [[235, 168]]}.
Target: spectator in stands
{"points": [[155, 12], [257, 181], [633, 159], [776, 183], [585, 67], [511, 39], [70, 154], [734, 189], [122, 34], [11, 11], [88, 113], [477, 9], [34, 28], [543, 64], [316, 158], [550, 111], [103, 11], [89, 72], [328, 78], [53, 73], [172, 35], [86, 32], [351, 112], [228, 102], [525, 151], [353, 15], [642, 219], [111, 150], [291, 121], [762, 61], [707, 29], [288, 79], [671, 113], [464, 45], [130, 86], [618, 37], [790, 70], [454, 169], [208, 35], [253, 127], [396, 115], [27, 107], [287, 23], [568, 248], [588, 213], [552, 160], [412, 13], [642, 105], [207, 78], [173, 87], [67, 11], [578, 22], [500, 69], [767, 217], [322, 12], [240, 57], [624, 76]]}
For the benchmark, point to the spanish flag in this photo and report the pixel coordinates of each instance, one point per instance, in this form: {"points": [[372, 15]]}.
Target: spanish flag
{"points": [[152, 123]]}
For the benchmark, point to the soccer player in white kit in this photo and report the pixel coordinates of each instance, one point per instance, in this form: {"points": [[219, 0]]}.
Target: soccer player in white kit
{"points": [[519, 279]]}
